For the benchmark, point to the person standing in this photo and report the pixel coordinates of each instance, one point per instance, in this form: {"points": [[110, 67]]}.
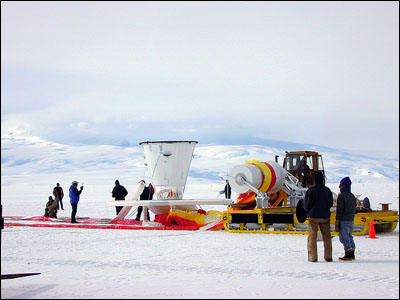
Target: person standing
{"points": [[151, 187], [59, 195], [147, 194], [228, 190], [317, 204], [345, 210], [74, 195], [119, 193]]}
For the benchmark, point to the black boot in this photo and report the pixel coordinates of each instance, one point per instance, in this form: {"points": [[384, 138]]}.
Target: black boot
{"points": [[347, 255], [352, 254]]}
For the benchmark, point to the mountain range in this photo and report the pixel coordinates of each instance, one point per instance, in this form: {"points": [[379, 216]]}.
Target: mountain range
{"points": [[31, 158]]}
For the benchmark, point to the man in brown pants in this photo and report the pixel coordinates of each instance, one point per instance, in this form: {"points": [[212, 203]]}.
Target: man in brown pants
{"points": [[317, 204]]}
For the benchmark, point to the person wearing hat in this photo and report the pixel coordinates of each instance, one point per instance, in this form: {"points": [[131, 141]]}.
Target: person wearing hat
{"points": [[74, 199], [119, 193], [317, 203], [345, 210], [51, 208], [147, 194]]}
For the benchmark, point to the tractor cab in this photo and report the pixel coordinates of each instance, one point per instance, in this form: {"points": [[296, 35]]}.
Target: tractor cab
{"points": [[303, 165]]}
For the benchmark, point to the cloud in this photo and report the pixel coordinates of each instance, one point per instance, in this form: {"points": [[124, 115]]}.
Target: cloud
{"points": [[317, 73]]}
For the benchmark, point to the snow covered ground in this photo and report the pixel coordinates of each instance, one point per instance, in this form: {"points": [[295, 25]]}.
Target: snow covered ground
{"points": [[96, 263], [118, 264]]}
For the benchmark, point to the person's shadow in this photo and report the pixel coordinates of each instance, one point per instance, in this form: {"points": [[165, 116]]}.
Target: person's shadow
{"points": [[33, 293]]}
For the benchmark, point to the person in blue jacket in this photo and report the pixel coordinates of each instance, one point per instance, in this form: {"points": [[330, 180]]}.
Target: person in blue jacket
{"points": [[74, 199]]}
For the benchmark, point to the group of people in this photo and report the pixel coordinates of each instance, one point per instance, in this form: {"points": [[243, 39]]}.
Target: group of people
{"points": [[317, 203], [119, 192], [53, 205]]}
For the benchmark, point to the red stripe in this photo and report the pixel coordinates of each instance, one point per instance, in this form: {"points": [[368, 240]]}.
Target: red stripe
{"points": [[273, 179], [245, 197], [109, 226]]}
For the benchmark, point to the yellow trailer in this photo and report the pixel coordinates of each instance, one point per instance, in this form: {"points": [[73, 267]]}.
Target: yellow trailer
{"points": [[284, 220]]}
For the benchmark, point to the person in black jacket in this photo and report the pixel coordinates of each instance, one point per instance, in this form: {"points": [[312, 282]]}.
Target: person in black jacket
{"points": [[345, 210], [147, 194], [59, 195], [119, 193], [228, 190], [317, 204]]}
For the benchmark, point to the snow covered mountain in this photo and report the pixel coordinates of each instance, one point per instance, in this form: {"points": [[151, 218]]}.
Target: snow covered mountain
{"points": [[36, 160]]}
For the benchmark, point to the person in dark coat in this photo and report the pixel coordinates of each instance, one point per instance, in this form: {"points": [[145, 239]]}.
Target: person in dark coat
{"points": [[119, 193], [345, 211], [317, 204], [147, 194], [59, 195], [304, 173], [74, 195], [227, 190]]}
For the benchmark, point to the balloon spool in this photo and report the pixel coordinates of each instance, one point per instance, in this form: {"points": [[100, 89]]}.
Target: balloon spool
{"points": [[267, 177]]}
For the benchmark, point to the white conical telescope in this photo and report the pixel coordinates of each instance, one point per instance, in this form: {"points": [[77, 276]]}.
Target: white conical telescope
{"points": [[168, 163]]}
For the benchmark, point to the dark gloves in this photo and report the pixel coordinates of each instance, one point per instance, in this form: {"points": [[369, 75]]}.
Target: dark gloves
{"points": [[337, 227]]}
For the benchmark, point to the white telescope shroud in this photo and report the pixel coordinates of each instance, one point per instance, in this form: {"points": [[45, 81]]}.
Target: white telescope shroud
{"points": [[169, 163]]}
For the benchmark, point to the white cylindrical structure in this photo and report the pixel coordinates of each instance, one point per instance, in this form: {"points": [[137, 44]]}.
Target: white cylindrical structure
{"points": [[250, 173], [280, 174], [266, 176], [169, 163]]}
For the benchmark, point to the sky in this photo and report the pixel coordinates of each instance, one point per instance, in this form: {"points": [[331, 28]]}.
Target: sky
{"points": [[119, 73]]}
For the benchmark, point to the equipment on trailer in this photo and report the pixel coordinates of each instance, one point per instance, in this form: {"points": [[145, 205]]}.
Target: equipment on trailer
{"points": [[169, 163], [270, 198]]}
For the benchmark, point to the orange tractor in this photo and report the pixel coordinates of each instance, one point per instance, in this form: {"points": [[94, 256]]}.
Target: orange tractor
{"points": [[303, 165]]}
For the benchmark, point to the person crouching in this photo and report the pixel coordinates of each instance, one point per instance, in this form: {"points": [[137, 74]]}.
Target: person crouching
{"points": [[51, 208]]}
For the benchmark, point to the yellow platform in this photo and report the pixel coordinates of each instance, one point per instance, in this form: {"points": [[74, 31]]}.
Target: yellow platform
{"points": [[283, 220]]}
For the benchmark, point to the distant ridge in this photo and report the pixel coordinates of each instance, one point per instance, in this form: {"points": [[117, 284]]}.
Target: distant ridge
{"points": [[33, 155]]}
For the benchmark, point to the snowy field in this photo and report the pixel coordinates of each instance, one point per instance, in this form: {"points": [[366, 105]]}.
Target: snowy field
{"points": [[96, 263], [119, 264]]}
